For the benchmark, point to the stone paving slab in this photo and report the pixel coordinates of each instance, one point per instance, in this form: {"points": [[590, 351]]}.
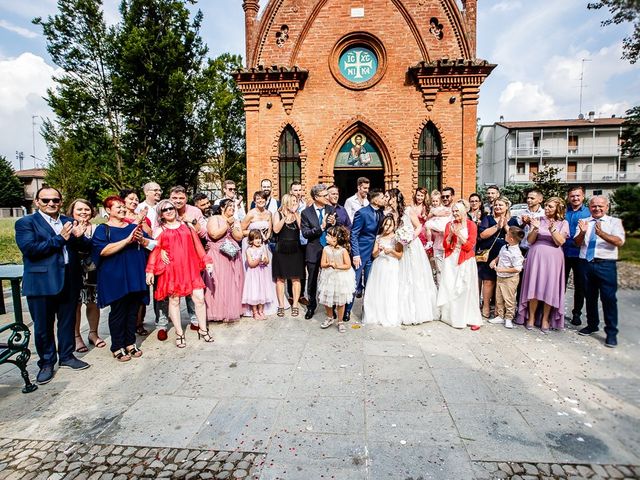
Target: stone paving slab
{"points": [[403, 403]]}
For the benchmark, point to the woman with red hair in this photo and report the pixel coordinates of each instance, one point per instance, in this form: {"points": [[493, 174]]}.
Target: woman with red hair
{"points": [[121, 261], [458, 296]]}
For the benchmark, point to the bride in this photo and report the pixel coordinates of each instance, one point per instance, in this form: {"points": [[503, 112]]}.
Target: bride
{"points": [[417, 293]]}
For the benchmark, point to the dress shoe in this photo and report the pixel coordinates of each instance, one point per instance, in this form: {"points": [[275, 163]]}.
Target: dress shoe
{"points": [[162, 334], [74, 364], [309, 313], [45, 375], [576, 320], [347, 316], [611, 342], [303, 301], [587, 331]]}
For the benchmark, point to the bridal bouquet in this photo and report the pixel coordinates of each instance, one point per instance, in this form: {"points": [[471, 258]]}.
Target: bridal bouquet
{"points": [[404, 234]]}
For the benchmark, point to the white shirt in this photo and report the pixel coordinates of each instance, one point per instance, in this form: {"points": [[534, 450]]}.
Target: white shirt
{"points": [[604, 249], [152, 214], [537, 214], [56, 225], [510, 256], [301, 206], [353, 204]]}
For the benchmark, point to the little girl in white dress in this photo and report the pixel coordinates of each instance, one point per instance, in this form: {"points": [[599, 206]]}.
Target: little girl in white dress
{"points": [[381, 296], [337, 280]]}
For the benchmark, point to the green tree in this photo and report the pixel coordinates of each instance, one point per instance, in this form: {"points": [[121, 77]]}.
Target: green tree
{"points": [[631, 133], [547, 181], [137, 101], [11, 189], [623, 11], [626, 205]]}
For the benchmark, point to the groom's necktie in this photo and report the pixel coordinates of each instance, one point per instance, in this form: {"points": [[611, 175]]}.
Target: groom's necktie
{"points": [[323, 237], [379, 216]]}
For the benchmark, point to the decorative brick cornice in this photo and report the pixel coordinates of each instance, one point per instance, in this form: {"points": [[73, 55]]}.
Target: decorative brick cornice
{"points": [[259, 82], [444, 75]]}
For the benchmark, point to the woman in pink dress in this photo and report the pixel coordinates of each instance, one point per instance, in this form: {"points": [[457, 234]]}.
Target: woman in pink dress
{"points": [[420, 207], [180, 276], [542, 290], [224, 303]]}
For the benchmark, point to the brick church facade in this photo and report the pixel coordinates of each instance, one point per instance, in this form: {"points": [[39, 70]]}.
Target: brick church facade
{"points": [[337, 89]]}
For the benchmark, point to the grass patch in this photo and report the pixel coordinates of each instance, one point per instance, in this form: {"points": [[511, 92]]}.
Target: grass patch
{"points": [[630, 251], [9, 252]]}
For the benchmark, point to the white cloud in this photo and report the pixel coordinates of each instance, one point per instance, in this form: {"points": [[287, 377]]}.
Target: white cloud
{"points": [[609, 109], [506, 6], [25, 80], [525, 101], [23, 32]]}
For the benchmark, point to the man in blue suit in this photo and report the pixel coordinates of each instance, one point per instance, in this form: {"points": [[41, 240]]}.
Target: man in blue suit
{"points": [[49, 243], [364, 230]]}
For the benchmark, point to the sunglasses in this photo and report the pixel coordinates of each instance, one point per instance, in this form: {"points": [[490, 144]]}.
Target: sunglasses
{"points": [[167, 209], [55, 201], [232, 189], [445, 196]]}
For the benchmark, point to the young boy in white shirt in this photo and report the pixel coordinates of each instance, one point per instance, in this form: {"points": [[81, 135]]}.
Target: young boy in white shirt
{"points": [[508, 265]]}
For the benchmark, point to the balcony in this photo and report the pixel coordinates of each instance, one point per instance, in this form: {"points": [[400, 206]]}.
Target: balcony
{"points": [[580, 151], [584, 177]]}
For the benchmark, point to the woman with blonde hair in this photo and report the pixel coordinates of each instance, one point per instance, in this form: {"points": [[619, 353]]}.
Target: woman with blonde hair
{"points": [[542, 289], [288, 259]]}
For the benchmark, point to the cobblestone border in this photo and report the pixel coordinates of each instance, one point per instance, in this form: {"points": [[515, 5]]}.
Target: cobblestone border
{"points": [[49, 460], [543, 471]]}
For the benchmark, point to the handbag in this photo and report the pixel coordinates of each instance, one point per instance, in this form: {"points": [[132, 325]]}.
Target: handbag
{"points": [[229, 249], [483, 255]]}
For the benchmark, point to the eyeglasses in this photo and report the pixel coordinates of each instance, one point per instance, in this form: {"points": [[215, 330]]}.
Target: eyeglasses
{"points": [[445, 196], [231, 189], [167, 209], [55, 201]]}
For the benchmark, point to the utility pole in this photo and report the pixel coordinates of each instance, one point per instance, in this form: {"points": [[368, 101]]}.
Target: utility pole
{"points": [[20, 158], [582, 85]]}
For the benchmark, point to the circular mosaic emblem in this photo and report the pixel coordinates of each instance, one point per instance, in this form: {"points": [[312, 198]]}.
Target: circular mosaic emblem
{"points": [[358, 64]]}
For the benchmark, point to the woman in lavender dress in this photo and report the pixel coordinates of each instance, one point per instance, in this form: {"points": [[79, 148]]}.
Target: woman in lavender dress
{"points": [[542, 290]]}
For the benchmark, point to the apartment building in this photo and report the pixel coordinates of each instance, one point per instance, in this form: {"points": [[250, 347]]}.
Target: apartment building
{"points": [[586, 150]]}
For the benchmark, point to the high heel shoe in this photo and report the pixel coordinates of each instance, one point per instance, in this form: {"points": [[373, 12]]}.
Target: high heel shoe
{"points": [[206, 336], [180, 341]]}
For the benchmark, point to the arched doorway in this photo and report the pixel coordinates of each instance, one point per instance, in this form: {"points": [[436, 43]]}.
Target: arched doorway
{"points": [[359, 156]]}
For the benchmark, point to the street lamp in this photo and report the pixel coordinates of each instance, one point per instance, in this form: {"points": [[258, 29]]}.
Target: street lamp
{"points": [[20, 158]]}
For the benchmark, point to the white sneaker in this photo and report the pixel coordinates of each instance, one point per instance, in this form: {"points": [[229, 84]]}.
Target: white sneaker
{"points": [[496, 320], [508, 323]]}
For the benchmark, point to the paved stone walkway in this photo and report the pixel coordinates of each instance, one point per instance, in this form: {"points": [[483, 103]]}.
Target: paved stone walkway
{"points": [[423, 402]]}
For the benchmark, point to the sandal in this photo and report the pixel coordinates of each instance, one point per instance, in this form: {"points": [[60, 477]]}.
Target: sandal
{"points": [[206, 336], [295, 311], [143, 332], [280, 312], [327, 323], [83, 347], [134, 351], [98, 342], [342, 328], [121, 355], [180, 341]]}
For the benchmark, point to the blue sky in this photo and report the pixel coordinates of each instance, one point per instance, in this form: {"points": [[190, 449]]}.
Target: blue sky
{"points": [[538, 46]]}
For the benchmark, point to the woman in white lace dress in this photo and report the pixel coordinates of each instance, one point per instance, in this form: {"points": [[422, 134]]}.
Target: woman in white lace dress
{"points": [[417, 291]]}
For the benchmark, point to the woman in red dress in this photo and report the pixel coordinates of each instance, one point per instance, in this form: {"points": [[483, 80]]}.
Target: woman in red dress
{"points": [[179, 271]]}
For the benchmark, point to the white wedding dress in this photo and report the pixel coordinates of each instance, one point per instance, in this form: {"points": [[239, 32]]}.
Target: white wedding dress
{"points": [[418, 293], [458, 298], [381, 290]]}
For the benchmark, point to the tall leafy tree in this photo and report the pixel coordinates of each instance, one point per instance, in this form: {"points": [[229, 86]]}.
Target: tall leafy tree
{"points": [[11, 189], [136, 101], [623, 11]]}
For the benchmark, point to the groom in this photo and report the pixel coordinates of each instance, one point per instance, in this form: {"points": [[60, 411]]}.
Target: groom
{"points": [[366, 223]]}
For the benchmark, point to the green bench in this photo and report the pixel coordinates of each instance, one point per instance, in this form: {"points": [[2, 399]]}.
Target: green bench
{"points": [[14, 337]]}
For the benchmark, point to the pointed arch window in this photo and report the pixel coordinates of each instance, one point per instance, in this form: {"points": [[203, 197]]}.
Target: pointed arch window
{"points": [[288, 159], [430, 159]]}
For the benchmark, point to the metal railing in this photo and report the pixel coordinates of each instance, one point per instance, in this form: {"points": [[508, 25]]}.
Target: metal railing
{"points": [[584, 177], [580, 151]]}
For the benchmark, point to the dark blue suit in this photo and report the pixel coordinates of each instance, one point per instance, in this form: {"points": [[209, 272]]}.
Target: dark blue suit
{"points": [[312, 231], [363, 236], [51, 287]]}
